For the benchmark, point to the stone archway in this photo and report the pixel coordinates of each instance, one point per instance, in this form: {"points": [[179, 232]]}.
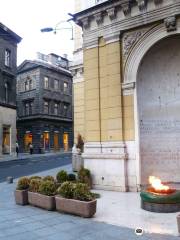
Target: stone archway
{"points": [[158, 101]]}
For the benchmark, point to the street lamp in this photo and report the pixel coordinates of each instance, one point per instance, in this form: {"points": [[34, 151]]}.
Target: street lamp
{"points": [[56, 28]]}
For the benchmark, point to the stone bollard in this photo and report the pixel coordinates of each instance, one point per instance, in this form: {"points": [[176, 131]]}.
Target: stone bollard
{"points": [[9, 179], [178, 223]]}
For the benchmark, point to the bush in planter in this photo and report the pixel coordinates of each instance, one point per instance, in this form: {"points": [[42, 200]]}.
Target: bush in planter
{"points": [[75, 199], [23, 183], [42, 193], [71, 177], [66, 189], [35, 177], [49, 178], [81, 192], [84, 176], [62, 176], [21, 192], [34, 185], [47, 188]]}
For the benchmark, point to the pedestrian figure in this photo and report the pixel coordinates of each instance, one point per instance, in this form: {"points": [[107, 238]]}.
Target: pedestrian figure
{"points": [[17, 149], [31, 148]]}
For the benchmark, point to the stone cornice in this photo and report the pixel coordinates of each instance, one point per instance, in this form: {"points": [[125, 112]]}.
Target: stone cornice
{"points": [[109, 29]]}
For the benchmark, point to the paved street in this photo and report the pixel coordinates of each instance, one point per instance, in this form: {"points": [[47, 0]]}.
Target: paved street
{"points": [[31, 223], [26, 164]]}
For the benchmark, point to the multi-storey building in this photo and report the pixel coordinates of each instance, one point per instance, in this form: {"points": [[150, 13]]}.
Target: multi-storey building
{"points": [[130, 92], [44, 100], [8, 69]]}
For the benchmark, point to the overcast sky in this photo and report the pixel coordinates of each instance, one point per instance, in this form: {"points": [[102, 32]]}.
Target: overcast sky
{"points": [[26, 18]]}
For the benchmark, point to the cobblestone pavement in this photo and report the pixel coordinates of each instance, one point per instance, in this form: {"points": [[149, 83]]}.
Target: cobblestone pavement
{"points": [[30, 223]]}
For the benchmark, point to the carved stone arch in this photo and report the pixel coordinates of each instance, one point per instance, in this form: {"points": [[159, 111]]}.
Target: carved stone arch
{"points": [[142, 46]]}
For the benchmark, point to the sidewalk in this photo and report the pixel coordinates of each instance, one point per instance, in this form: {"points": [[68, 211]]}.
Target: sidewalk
{"points": [[23, 156], [31, 223]]}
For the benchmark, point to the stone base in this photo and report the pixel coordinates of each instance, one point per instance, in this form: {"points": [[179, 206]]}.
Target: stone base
{"points": [[77, 162], [111, 166], [160, 207]]}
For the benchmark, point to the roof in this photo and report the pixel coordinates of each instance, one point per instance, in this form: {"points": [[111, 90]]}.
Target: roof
{"points": [[39, 63], [6, 32]]}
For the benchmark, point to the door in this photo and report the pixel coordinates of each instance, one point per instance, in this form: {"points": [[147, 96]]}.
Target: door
{"points": [[65, 141]]}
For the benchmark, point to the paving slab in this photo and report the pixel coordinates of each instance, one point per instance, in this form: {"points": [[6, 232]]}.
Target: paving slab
{"points": [[31, 223]]}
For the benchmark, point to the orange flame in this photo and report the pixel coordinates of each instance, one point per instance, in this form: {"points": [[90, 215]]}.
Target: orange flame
{"points": [[157, 184]]}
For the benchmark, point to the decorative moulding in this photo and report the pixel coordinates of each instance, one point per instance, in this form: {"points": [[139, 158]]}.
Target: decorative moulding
{"points": [[111, 13], [170, 23], [157, 2], [142, 4], [126, 9], [98, 18], [85, 22]]}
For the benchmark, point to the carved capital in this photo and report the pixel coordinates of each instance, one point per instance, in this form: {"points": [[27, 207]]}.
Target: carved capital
{"points": [[85, 22], [170, 23], [111, 13], [142, 4], [98, 18], [126, 9]]}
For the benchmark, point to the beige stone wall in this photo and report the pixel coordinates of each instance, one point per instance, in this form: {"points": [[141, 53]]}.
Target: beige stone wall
{"points": [[128, 118], [103, 100], [78, 109]]}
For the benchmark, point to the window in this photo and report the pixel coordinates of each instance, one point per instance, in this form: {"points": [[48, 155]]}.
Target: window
{"points": [[65, 87], [30, 84], [46, 107], [31, 108], [65, 108], [56, 108], [56, 84], [26, 86], [6, 88], [7, 57], [26, 109], [46, 82]]}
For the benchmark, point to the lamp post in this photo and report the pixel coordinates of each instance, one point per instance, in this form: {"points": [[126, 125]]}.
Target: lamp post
{"points": [[57, 27]]}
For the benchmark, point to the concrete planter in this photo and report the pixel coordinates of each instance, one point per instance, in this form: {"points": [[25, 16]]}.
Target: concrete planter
{"points": [[77, 162], [21, 197], [42, 201], [76, 207], [178, 223]]}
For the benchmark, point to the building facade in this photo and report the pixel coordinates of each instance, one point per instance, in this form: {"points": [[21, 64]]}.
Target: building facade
{"points": [[8, 69], [77, 69], [131, 92], [44, 100]]}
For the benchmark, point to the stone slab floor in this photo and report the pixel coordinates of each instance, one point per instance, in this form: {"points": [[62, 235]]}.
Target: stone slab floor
{"points": [[117, 216]]}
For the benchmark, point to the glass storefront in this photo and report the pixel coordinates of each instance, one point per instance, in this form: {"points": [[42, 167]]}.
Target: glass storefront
{"points": [[56, 141], [65, 141], [6, 141], [27, 140], [46, 141]]}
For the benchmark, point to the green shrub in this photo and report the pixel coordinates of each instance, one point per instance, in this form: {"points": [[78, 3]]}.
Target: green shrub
{"points": [[49, 178], [34, 185], [23, 183], [35, 177], [71, 177], [66, 189], [81, 192], [62, 176], [47, 188], [84, 176]]}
